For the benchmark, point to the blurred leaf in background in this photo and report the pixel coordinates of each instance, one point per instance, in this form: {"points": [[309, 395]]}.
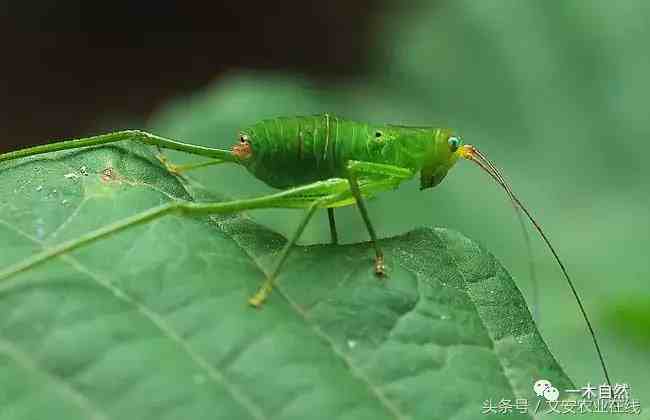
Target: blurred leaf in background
{"points": [[555, 93]]}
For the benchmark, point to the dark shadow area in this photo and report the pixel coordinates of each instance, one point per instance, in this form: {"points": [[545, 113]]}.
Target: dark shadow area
{"points": [[69, 67]]}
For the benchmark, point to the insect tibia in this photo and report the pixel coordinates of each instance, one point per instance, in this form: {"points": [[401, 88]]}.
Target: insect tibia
{"points": [[128, 135]]}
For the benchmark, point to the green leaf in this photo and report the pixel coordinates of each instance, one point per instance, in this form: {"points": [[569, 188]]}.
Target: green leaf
{"points": [[152, 323]]}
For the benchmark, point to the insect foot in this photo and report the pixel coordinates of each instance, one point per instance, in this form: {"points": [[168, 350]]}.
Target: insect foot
{"points": [[171, 168], [174, 170], [380, 267], [261, 295]]}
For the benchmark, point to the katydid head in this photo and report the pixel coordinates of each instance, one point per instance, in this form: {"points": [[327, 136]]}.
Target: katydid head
{"points": [[443, 155]]}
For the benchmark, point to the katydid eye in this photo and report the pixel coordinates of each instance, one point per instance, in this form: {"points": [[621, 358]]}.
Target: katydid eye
{"points": [[454, 143], [243, 139]]}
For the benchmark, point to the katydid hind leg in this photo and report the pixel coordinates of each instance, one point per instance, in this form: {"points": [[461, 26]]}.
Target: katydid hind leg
{"points": [[87, 239], [292, 198], [262, 294], [130, 135]]}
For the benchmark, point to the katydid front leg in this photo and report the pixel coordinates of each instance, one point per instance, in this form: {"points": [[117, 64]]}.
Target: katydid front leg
{"points": [[387, 174]]}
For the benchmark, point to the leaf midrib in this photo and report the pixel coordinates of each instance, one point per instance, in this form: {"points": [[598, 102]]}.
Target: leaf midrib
{"points": [[158, 321]]}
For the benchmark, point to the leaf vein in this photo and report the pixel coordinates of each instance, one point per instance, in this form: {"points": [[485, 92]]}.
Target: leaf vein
{"points": [[480, 317], [70, 393], [375, 390], [212, 372]]}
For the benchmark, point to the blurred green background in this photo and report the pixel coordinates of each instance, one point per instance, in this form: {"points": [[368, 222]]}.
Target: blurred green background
{"points": [[555, 93]]}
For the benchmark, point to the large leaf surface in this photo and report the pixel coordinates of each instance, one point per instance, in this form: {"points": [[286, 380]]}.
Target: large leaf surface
{"points": [[153, 323]]}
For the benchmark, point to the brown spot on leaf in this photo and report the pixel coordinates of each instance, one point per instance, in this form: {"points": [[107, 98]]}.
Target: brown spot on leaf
{"points": [[108, 175]]}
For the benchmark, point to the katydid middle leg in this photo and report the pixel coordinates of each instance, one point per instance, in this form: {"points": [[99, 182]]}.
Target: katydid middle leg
{"points": [[333, 234]]}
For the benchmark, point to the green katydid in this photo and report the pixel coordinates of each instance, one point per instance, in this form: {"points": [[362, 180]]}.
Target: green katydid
{"points": [[317, 162]]}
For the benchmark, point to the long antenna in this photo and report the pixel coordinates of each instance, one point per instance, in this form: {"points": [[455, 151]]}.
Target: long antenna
{"points": [[529, 249], [473, 154]]}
